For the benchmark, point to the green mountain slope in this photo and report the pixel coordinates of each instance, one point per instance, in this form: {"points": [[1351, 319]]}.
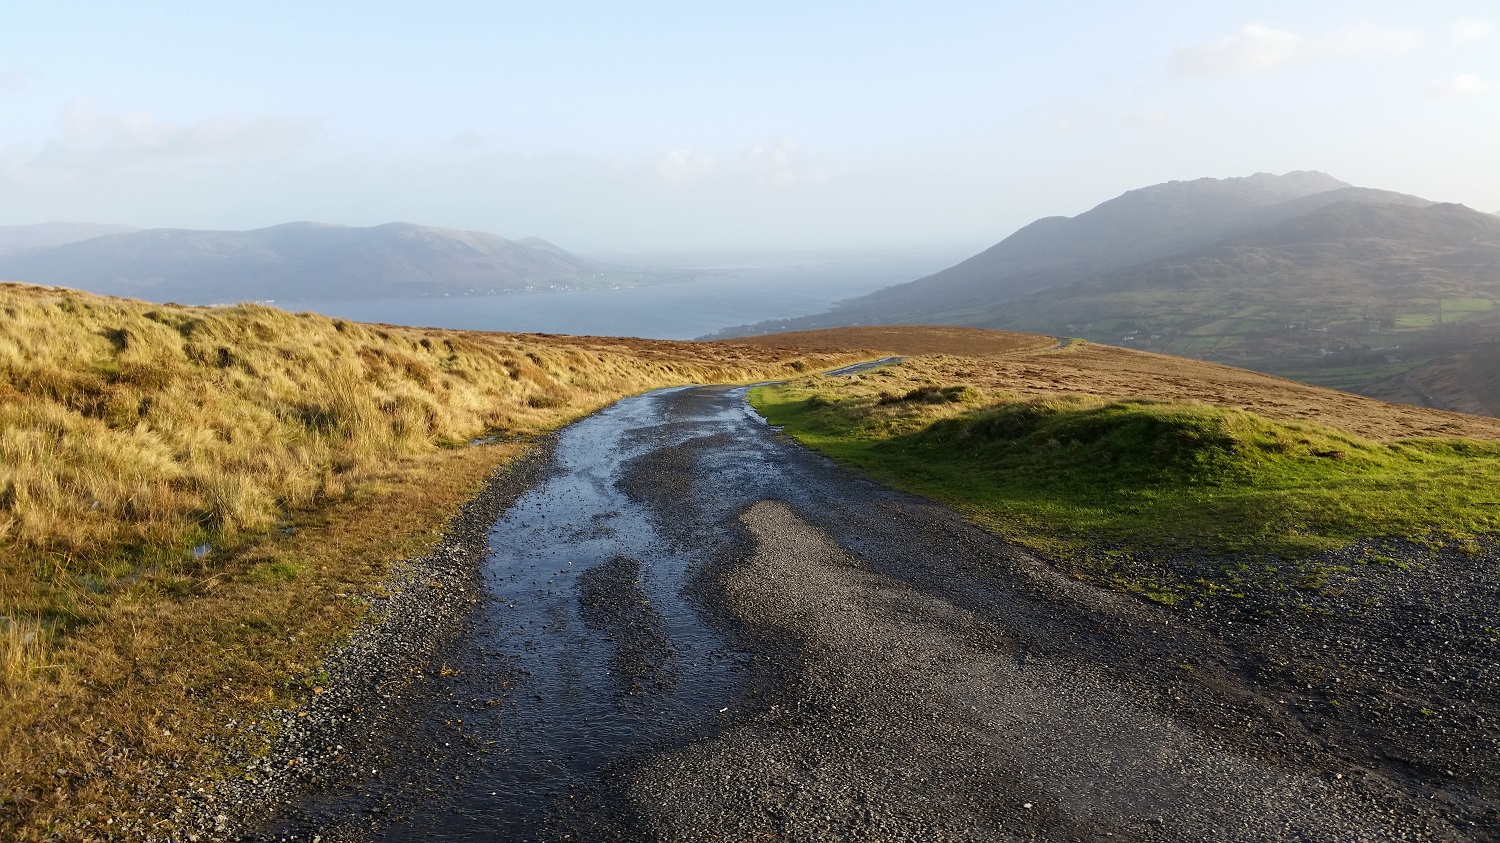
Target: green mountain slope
{"points": [[1299, 275]]}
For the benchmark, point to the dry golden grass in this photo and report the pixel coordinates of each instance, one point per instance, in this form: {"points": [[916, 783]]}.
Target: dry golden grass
{"points": [[1117, 373], [131, 432], [1030, 365]]}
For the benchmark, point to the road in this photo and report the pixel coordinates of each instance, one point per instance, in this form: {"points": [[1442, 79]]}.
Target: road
{"points": [[697, 630]]}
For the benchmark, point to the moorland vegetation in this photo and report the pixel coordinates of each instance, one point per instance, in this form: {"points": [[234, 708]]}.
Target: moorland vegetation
{"points": [[190, 498], [1103, 458]]}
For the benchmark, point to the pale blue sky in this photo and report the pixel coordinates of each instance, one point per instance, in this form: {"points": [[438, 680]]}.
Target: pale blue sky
{"points": [[775, 125]]}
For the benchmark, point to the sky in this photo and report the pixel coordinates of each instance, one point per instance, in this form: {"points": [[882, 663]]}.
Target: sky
{"points": [[693, 126]]}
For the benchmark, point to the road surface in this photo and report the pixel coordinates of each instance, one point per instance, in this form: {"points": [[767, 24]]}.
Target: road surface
{"points": [[697, 630]]}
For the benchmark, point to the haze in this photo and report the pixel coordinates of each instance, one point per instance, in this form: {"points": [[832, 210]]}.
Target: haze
{"points": [[690, 126]]}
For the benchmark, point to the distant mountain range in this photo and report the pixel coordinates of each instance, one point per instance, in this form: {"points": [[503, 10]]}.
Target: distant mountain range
{"points": [[1298, 274], [21, 238], [299, 260]]}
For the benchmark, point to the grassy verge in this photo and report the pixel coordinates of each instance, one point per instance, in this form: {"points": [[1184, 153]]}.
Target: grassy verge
{"points": [[1091, 480], [190, 496]]}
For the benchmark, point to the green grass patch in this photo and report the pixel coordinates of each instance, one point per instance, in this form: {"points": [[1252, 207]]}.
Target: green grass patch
{"points": [[1071, 473], [1417, 320], [1462, 309]]}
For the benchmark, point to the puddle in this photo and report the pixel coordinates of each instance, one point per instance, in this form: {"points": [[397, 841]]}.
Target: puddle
{"points": [[587, 650]]}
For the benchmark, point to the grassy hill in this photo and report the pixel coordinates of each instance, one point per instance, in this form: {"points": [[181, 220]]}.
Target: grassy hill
{"points": [[1073, 446], [190, 496], [1460, 371]]}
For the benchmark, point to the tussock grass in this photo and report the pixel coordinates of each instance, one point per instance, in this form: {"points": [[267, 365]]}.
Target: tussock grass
{"points": [[308, 453], [1069, 473]]}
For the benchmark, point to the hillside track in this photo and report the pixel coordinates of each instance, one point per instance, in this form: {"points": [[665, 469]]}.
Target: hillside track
{"points": [[695, 629]]}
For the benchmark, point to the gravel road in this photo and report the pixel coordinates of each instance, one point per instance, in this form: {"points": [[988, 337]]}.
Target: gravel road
{"points": [[691, 628]]}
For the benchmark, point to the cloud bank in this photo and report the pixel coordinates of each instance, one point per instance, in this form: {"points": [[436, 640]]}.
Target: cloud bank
{"points": [[1471, 29], [1258, 48], [89, 139]]}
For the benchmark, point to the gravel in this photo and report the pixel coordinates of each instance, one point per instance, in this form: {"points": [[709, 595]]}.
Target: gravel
{"points": [[335, 741], [914, 677]]}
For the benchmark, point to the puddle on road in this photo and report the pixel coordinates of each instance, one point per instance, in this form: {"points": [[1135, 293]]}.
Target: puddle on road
{"points": [[587, 649]]}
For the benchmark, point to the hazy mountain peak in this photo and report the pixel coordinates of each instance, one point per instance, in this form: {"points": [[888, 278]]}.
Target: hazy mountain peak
{"points": [[306, 260], [1248, 229], [19, 238]]}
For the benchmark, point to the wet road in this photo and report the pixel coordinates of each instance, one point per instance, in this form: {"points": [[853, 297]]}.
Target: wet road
{"points": [[697, 630]]}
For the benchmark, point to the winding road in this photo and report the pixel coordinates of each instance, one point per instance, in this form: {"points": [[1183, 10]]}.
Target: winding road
{"points": [[695, 629]]}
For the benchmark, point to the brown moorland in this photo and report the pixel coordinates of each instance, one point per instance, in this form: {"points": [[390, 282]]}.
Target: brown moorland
{"points": [[1029, 365], [904, 339]]}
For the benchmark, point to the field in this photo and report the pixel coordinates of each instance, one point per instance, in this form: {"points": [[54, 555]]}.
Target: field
{"points": [[191, 497]]}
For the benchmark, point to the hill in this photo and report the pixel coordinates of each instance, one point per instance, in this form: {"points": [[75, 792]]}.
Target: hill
{"points": [[307, 260], [20, 238], [1463, 375], [1300, 275]]}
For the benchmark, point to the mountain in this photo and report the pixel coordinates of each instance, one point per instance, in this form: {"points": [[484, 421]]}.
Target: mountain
{"points": [[1300, 275], [306, 260], [20, 238]]}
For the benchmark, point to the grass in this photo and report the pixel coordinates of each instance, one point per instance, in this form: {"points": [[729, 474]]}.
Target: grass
{"points": [[1069, 474], [308, 453]]}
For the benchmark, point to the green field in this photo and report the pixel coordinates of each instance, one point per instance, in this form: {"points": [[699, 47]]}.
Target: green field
{"points": [[1069, 475]]}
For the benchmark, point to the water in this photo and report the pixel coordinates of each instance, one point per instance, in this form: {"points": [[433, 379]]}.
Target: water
{"points": [[590, 647], [591, 681], [750, 291], [594, 646]]}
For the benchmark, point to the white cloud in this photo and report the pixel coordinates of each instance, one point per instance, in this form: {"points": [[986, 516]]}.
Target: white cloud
{"points": [[12, 80], [1253, 49], [1258, 48], [90, 138], [1471, 29], [682, 165], [780, 161], [1461, 85], [1368, 40]]}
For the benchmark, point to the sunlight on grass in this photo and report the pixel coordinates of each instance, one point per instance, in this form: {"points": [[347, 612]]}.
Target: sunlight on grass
{"points": [[310, 454], [1074, 471]]}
